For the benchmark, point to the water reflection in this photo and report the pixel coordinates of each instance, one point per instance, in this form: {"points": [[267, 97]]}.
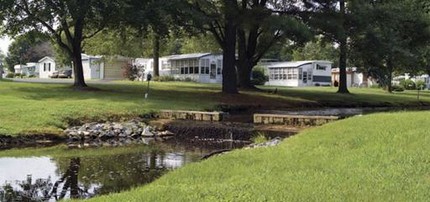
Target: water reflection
{"points": [[52, 179]]}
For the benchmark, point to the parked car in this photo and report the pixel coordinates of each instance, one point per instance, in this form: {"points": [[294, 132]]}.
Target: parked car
{"points": [[65, 74], [54, 74]]}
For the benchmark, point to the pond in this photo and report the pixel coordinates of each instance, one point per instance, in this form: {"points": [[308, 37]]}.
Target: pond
{"points": [[47, 178]]}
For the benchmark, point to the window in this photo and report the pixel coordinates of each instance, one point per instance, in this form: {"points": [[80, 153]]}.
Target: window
{"points": [[191, 70], [207, 70], [321, 67], [49, 67], [196, 69], [186, 70], [202, 70], [218, 71], [44, 67]]}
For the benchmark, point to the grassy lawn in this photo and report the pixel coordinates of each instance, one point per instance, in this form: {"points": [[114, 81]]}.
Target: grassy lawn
{"points": [[380, 157], [27, 108]]}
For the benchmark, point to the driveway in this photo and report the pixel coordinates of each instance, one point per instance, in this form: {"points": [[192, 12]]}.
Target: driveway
{"points": [[58, 81]]}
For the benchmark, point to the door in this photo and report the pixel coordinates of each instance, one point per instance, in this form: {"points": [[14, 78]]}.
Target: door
{"points": [[213, 71], [305, 77]]}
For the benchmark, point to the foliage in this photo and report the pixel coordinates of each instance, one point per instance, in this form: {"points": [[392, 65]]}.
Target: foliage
{"points": [[395, 30], [68, 23], [259, 76], [261, 25], [10, 75], [164, 78], [398, 88], [317, 50], [259, 137], [420, 84], [130, 71], [408, 84], [28, 47], [335, 162]]}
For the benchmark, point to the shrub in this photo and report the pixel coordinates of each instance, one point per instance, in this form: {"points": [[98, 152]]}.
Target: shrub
{"points": [[420, 85], [164, 78], [188, 79], [130, 72], [10, 75], [17, 75], [32, 76], [259, 137], [408, 84], [258, 76], [397, 88]]}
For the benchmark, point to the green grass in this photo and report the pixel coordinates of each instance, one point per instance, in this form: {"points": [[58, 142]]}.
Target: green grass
{"points": [[380, 157], [27, 108]]}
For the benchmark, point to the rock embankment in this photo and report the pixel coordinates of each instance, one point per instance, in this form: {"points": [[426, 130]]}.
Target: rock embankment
{"points": [[113, 133]]}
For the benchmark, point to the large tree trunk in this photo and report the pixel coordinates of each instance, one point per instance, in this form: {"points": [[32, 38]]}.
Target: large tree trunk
{"points": [[390, 75], [78, 67], [343, 88], [229, 79], [156, 54], [244, 63]]}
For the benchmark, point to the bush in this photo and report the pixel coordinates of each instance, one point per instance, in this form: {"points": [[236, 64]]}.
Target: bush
{"points": [[188, 79], [397, 88], [17, 75], [32, 76], [420, 85], [130, 72], [258, 76], [408, 84], [10, 75], [259, 137], [164, 78]]}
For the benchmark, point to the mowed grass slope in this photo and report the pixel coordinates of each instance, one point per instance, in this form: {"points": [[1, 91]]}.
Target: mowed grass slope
{"points": [[27, 108], [46, 108], [380, 157]]}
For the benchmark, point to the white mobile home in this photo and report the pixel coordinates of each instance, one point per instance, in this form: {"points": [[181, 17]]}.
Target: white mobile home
{"points": [[199, 67], [300, 73], [46, 67], [92, 67]]}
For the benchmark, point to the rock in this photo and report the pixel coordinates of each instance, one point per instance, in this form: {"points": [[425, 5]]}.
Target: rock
{"points": [[165, 133], [147, 133]]}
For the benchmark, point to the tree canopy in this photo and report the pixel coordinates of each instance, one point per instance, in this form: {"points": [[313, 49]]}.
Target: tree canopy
{"points": [[68, 23]]}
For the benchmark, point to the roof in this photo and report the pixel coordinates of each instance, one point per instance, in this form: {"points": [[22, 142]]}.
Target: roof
{"points": [[296, 63], [187, 56], [46, 58], [86, 57]]}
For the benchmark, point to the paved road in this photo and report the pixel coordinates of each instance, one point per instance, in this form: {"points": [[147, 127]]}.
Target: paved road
{"points": [[57, 81]]}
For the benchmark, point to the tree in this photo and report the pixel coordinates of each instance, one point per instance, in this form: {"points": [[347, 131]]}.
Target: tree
{"points": [[28, 47], [220, 18], [334, 20], [396, 31], [154, 18], [262, 24], [77, 20], [317, 50]]}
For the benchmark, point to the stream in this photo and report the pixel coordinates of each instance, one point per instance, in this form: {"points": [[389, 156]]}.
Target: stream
{"points": [[46, 178]]}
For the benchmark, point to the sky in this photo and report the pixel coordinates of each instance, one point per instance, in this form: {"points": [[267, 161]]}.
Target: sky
{"points": [[4, 44]]}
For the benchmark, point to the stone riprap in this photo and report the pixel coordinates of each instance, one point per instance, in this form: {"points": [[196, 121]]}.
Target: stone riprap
{"points": [[125, 132]]}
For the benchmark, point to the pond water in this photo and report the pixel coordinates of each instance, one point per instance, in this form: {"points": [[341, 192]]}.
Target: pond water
{"points": [[54, 178]]}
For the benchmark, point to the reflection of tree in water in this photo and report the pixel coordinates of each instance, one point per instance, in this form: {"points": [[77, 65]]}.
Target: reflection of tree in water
{"points": [[39, 191], [44, 189]]}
